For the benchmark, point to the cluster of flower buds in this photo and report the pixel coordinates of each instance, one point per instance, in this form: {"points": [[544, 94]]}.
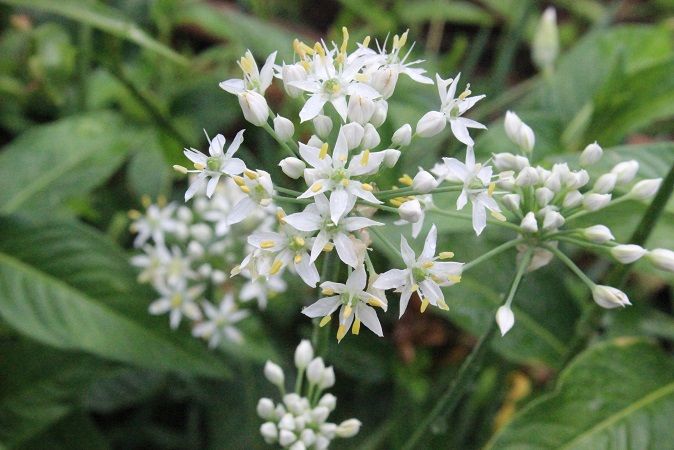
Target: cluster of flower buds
{"points": [[299, 422], [188, 252]]}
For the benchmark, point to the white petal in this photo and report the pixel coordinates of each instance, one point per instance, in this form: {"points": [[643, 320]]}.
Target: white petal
{"points": [[319, 242], [357, 223], [216, 146], [241, 210], [391, 279], [368, 316], [312, 107], [233, 166], [462, 200], [357, 279], [406, 251], [430, 243], [479, 217], [307, 271], [338, 203], [340, 106], [304, 221], [212, 184], [236, 143], [431, 291], [346, 249], [233, 86], [195, 187], [404, 300], [461, 132], [322, 307], [160, 306]]}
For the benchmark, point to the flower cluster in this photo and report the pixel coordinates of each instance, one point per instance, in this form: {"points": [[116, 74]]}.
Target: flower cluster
{"points": [[299, 422], [187, 255]]}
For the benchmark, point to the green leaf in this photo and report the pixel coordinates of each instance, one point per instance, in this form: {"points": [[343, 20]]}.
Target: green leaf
{"points": [[616, 395], [76, 431], [67, 286], [104, 18], [51, 163], [149, 173], [446, 10]]}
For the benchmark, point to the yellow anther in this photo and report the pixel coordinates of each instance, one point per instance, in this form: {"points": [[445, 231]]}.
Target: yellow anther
{"points": [[341, 332], [465, 93], [374, 301], [239, 180], [318, 48], [324, 321], [328, 291], [328, 247], [179, 168], [247, 63], [365, 158], [317, 186], [339, 59], [403, 39], [250, 174], [446, 255], [363, 78], [437, 279], [415, 287], [498, 216], [302, 49], [347, 311], [427, 264], [324, 151], [442, 305], [396, 40], [395, 202], [266, 244], [245, 189], [345, 40], [161, 200], [299, 241], [199, 166], [424, 305], [297, 259], [306, 65], [492, 187], [176, 300], [454, 278], [146, 201], [276, 267], [366, 41], [281, 216], [406, 180], [235, 271], [367, 186], [134, 214], [345, 182], [355, 329]]}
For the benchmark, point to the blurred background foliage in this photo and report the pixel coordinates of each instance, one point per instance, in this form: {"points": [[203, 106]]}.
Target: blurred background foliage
{"points": [[99, 98]]}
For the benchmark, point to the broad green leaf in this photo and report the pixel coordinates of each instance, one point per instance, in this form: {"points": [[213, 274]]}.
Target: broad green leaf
{"points": [[149, 173], [459, 12], [67, 286], [77, 431], [122, 388], [38, 388], [51, 163], [616, 395], [105, 18]]}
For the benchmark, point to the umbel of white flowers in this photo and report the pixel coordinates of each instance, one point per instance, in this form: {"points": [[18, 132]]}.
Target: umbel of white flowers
{"points": [[341, 201], [300, 420]]}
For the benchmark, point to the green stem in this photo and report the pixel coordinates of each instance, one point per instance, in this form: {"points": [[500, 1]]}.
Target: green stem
{"points": [[468, 370], [287, 191], [458, 215], [281, 198], [392, 193], [384, 240], [585, 244], [585, 212], [570, 264], [282, 143], [490, 254]]}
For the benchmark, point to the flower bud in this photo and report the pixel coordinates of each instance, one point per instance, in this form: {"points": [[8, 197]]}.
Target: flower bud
{"points": [[578, 179], [625, 171], [509, 161], [315, 141], [315, 370], [254, 108], [283, 128], [594, 201], [304, 353], [506, 180], [572, 199], [505, 319], [391, 157], [286, 438], [308, 437], [269, 432], [329, 401], [384, 81], [598, 234], [543, 196], [519, 132], [529, 224], [410, 211], [527, 138], [512, 125], [403, 136], [353, 132], [293, 167], [265, 408], [431, 123], [552, 220], [609, 297], [545, 46], [662, 259], [627, 254], [371, 138], [591, 154], [322, 125], [424, 182], [348, 428], [320, 414], [360, 109], [328, 378], [274, 373], [605, 183], [527, 177], [290, 73], [380, 113], [645, 189], [511, 202], [298, 445]]}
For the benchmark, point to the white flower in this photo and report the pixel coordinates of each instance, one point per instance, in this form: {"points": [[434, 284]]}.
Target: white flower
{"points": [[274, 373], [259, 189], [454, 108], [609, 297], [645, 189], [254, 107], [519, 132], [605, 183], [424, 182], [260, 287], [598, 234], [155, 223], [330, 173], [591, 154], [290, 247], [353, 301], [593, 201], [348, 428], [625, 171], [545, 45], [475, 179], [304, 353], [627, 254], [322, 125], [177, 301], [411, 211], [221, 322], [317, 217], [662, 258], [293, 167], [529, 223], [505, 319], [253, 79], [402, 136], [423, 275], [283, 128], [215, 165]]}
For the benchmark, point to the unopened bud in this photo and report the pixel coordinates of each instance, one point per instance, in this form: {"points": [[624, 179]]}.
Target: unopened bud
{"points": [[315, 370], [329, 401], [625, 171], [645, 189], [391, 157], [605, 183], [598, 234], [274, 373], [265, 408], [283, 128], [505, 319], [509, 161], [403, 136], [527, 177], [609, 297], [591, 154], [545, 46], [410, 211], [353, 132], [662, 258], [348, 428], [254, 108], [544, 196], [293, 167], [594, 201], [360, 109], [322, 125], [423, 182], [529, 223], [269, 432], [304, 353], [511, 202], [328, 378], [572, 199], [380, 113], [384, 81], [290, 73], [371, 138], [519, 132], [552, 220], [286, 437], [431, 123], [627, 254]]}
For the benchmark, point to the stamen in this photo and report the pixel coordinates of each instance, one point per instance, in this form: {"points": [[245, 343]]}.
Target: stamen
{"points": [[250, 174], [317, 186], [492, 187], [367, 186], [245, 189], [299, 241], [328, 247], [318, 48], [275, 267], [341, 332], [347, 311], [239, 180], [442, 305], [454, 278], [498, 216], [266, 244], [374, 301], [427, 265], [324, 321], [355, 329], [446, 255], [180, 169], [199, 166], [345, 40], [406, 180], [297, 259], [424, 305], [146, 201], [324, 151], [328, 291], [281, 216], [365, 158], [415, 287], [366, 41], [134, 214]]}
